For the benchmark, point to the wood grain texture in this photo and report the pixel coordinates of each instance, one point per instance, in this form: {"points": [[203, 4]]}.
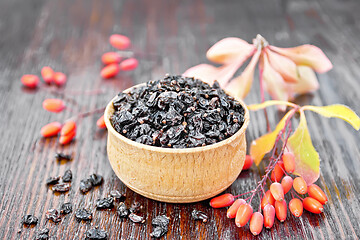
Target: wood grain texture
{"points": [[168, 37]]}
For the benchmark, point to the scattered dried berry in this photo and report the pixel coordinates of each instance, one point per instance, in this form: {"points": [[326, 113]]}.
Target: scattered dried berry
{"points": [[30, 81], [53, 105], [53, 215], [177, 112], [50, 129], [47, 74], [66, 208], [96, 179], [85, 185], [119, 41], [95, 233], [63, 156], [116, 194], [60, 78], [160, 224], [61, 187], [30, 220], [42, 234], [199, 215], [122, 210], [52, 180], [67, 176], [83, 214], [104, 203], [110, 57], [136, 218], [135, 207], [129, 64]]}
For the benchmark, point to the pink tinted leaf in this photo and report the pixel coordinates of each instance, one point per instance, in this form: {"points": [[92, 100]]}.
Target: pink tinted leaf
{"points": [[308, 55], [307, 81], [274, 84], [307, 161], [284, 66], [209, 73], [230, 49], [241, 85]]}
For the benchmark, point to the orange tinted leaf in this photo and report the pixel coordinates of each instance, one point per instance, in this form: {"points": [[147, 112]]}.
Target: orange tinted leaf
{"points": [[229, 49], [307, 161], [339, 111], [308, 55], [265, 143], [307, 81], [274, 84], [241, 85], [284, 66]]}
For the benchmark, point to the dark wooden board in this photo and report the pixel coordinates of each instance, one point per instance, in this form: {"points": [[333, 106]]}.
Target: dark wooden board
{"points": [[168, 36]]}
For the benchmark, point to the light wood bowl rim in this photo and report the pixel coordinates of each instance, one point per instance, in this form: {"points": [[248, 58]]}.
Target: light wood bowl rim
{"points": [[110, 109]]}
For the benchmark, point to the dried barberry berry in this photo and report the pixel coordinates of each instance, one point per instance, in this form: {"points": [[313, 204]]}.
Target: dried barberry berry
{"points": [[160, 224], [135, 207], [30, 220], [67, 176], [199, 215], [136, 218], [53, 215], [66, 208], [61, 187], [96, 179], [63, 156], [42, 234], [52, 180], [104, 203], [95, 233], [85, 185], [177, 112], [116, 194], [83, 214], [122, 210]]}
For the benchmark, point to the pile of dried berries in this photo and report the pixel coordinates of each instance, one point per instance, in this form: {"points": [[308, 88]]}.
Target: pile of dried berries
{"points": [[88, 183], [177, 112]]}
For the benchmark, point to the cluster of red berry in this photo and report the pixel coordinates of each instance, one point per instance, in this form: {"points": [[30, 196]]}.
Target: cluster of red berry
{"points": [[114, 62], [273, 201], [48, 75]]}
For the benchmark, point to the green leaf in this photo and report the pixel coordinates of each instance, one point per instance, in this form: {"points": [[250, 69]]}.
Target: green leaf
{"points": [[307, 161], [265, 143], [339, 111]]}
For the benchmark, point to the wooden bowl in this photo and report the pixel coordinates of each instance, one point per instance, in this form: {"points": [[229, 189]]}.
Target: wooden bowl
{"points": [[176, 175]]}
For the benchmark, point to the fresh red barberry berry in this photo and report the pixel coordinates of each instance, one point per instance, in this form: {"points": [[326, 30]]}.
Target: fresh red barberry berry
{"points": [[50, 129], [110, 71], [296, 207], [278, 172], [231, 212], [269, 215], [221, 201], [277, 191], [30, 81], [68, 128], [60, 78], [47, 74], [129, 64], [256, 223], [65, 139], [299, 185], [243, 215], [312, 205], [53, 105], [281, 210], [267, 199], [289, 162], [120, 41], [315, 191], [287, 183], [110, 57], [101, 122], [248, 162]]}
